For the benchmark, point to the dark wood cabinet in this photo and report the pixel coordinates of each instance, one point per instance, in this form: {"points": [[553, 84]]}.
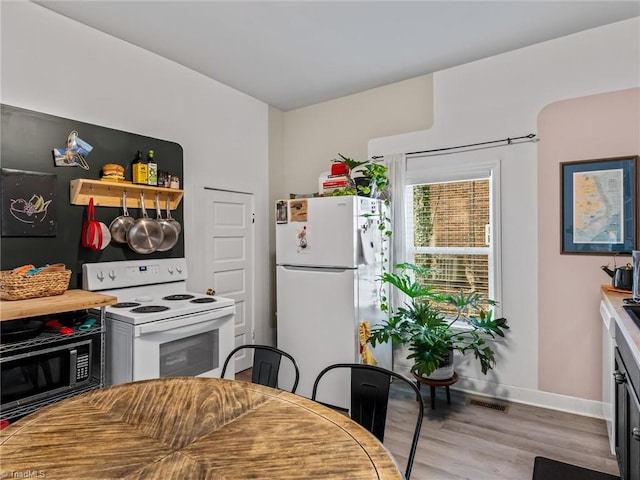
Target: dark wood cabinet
{"points": [[633, 422], [627, 416]]}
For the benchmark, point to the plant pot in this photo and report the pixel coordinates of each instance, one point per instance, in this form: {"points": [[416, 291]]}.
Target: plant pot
{"points": [[365, 182], [445, 370]]}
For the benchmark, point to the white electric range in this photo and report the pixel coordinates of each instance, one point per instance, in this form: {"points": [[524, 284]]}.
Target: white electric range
{"points": [[158, 328]]}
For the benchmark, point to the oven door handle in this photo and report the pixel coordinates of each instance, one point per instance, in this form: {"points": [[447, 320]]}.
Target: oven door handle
{"points": [[172, 323]]}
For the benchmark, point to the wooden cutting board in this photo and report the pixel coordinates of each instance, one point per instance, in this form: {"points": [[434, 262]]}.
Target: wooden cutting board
{"points": [[619, 290]]}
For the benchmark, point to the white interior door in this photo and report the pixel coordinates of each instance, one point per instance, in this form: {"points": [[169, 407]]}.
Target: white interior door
{"points": [[229, 259]]}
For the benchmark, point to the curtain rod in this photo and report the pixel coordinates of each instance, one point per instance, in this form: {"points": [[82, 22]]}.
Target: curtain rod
{"points": [[509, 141]]}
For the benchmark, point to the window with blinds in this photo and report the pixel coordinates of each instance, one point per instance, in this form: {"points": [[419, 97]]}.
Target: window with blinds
{"points": [[449, 232]]}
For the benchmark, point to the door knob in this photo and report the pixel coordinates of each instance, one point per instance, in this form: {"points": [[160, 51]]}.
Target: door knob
{"points": [[635, 433]]}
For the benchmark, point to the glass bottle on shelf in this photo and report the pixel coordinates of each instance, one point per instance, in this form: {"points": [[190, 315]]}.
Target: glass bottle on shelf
{"points": [[152, 169], [139, 169]]}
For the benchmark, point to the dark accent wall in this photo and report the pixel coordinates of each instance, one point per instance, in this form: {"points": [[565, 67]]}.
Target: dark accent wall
{"points": [[27, 141]]}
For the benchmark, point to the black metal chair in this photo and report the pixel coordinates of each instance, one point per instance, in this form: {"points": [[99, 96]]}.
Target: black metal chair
{"points": [[266, 365], [370, 397]]}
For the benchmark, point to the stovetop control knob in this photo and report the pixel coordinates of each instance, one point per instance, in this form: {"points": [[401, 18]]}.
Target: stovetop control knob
{"points": [[100, 275], [112, 275], [179, 269], [170, 269]]}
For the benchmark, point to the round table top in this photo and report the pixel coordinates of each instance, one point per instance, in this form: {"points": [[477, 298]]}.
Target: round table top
{"points": [[191, 427]]}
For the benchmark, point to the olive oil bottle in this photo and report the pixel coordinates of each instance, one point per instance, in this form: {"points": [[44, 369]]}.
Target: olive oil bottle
{"points": [[152, 169], [140, 170]]}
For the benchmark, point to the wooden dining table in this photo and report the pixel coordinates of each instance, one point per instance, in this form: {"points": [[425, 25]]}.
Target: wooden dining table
{"points": [[192, 428]]}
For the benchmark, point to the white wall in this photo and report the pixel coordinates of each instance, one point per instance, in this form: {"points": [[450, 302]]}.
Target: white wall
{"points": [[276, 187], [501, 97], [314, 135], [58, 66]]}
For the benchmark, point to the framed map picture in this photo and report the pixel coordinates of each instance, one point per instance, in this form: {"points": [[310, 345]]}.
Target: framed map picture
{"points": [[599, 209]]}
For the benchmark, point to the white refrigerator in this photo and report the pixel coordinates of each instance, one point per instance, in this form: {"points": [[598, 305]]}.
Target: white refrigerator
{"points": [[328, 263]]}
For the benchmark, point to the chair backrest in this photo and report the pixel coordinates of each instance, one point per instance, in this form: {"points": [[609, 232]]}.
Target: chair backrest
{"points": [[266, 365], [370, 398]]}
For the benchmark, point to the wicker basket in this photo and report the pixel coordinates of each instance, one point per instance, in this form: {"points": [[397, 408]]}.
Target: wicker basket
{"points": [[42, 284]]}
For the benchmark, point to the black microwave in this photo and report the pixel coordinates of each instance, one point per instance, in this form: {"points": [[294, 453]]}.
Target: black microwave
{"points": [[39, 372]]}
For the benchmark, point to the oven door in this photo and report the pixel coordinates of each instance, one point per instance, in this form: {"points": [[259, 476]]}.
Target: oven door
{"points": [[193, 345]]}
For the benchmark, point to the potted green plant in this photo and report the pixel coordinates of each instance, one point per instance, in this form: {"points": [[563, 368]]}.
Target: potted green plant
{"points": [[425, 323], [371, 181]]}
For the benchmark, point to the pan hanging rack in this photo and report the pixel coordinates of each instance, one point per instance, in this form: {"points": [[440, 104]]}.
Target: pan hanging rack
{"points": [[109, 194]]}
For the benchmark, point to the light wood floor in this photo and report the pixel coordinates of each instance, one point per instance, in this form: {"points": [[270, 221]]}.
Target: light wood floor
{"points": [[471, 442], [466, 441]]}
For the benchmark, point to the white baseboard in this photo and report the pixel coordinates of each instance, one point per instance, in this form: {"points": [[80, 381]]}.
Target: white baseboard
{"points": [[528, 396], [553, 401]]}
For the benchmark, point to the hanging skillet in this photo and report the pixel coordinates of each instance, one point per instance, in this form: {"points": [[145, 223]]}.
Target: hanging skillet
{"points": [[145, 235], [168, 228], [171, 219], [120, 225]]}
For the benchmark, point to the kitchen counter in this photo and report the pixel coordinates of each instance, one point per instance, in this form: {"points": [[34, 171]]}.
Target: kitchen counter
{"points": [[193, 427], [627, 326], [68, 301]]}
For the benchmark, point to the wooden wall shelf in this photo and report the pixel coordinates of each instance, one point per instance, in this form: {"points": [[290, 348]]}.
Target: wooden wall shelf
{"points": [[109, 194]]}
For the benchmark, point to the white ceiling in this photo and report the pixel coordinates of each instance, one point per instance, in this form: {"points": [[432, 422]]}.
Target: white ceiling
{"points": [[291, 54]]}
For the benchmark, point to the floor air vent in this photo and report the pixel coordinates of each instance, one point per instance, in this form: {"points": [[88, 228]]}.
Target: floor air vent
{"points": [[492, 404]]}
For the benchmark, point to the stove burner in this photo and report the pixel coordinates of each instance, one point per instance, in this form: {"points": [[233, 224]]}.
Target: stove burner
{"points": [[125, 305], [150, 309], [178, 297], [203, 300]]}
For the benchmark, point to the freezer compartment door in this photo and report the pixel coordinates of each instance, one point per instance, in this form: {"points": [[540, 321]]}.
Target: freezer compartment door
{"points": [[316, 312], [320, 232]]}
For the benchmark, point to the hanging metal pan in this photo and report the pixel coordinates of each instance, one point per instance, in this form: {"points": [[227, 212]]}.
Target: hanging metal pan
{"points": [[168, 228], [171, 219], [145, 235], [121, 225]]}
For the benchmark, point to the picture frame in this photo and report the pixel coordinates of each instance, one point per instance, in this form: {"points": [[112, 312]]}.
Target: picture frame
{"points": [[282, 211], [599, 206], [28, 203]]}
